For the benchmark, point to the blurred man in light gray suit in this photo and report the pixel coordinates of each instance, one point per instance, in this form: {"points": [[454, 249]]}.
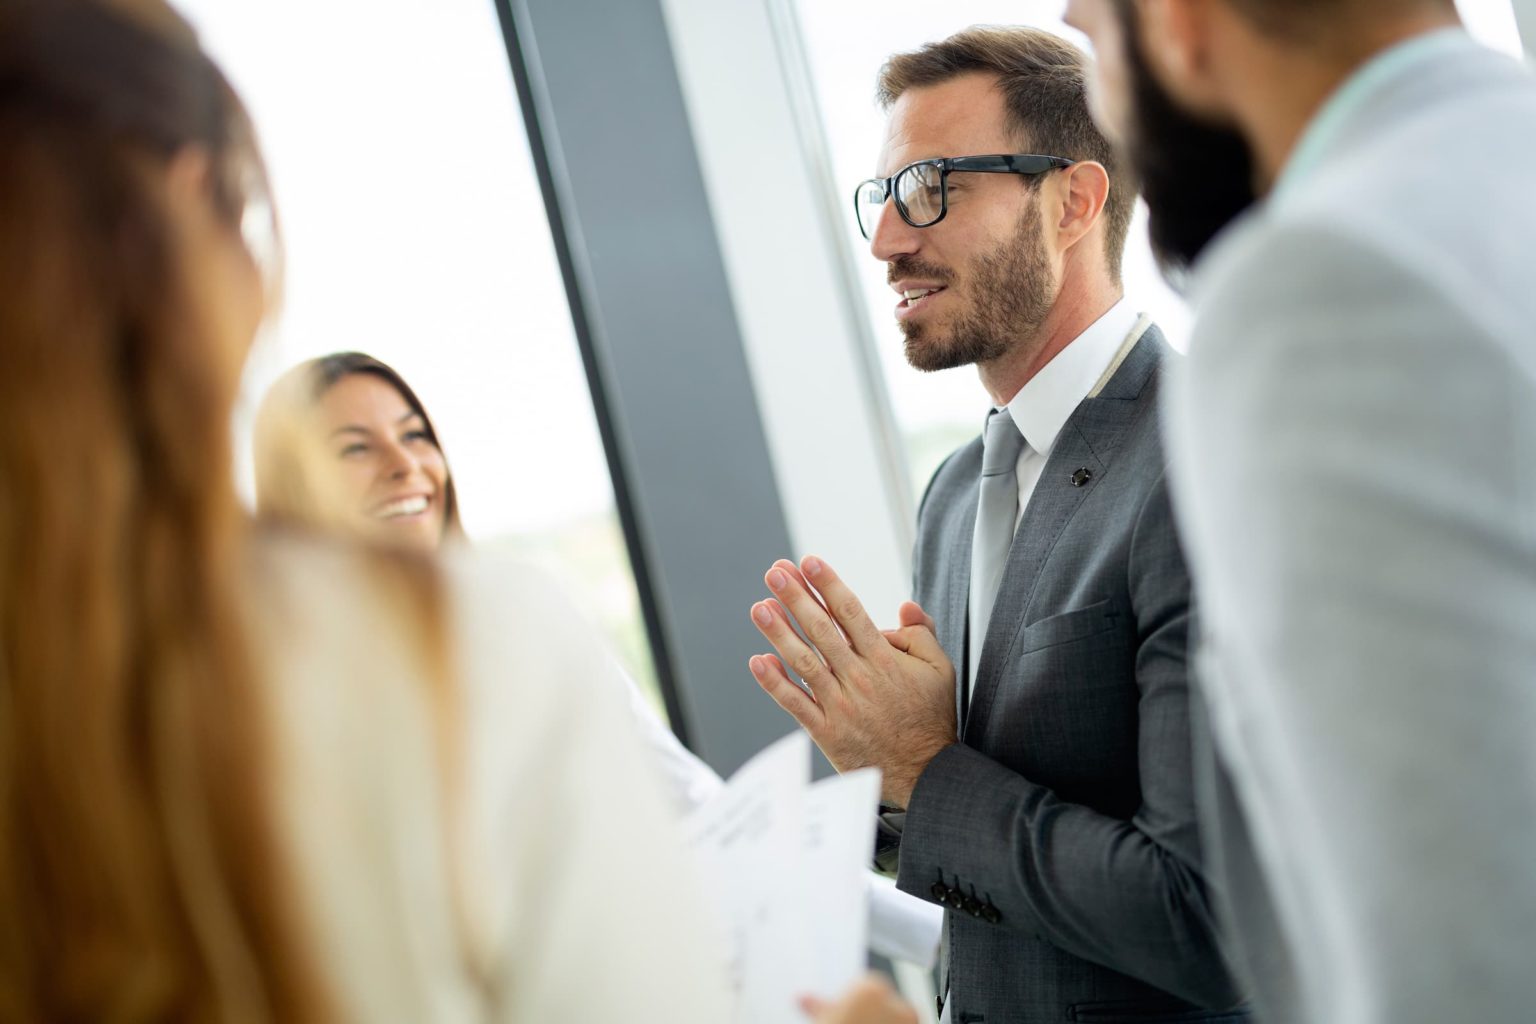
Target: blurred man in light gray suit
{"points": [[1048, 798], [1353, 449]]}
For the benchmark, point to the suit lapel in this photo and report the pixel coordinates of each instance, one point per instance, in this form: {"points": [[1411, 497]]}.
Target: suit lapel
{"points": [[1087, 442]]}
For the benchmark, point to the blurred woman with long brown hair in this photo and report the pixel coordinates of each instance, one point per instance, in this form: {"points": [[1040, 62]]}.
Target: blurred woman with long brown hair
{"points": [[246, 778]]}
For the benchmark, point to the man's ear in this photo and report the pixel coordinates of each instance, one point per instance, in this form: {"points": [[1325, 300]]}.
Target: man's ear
{"points": [[1087, 190], [1175, 40]]}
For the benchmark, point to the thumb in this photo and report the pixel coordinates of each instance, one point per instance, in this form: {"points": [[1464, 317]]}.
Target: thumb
{"points": [[924, 646], [911, 614], [920, 643]]}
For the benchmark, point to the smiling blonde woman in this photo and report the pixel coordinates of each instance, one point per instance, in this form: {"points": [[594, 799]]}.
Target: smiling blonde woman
{"points": [[343, 441]]}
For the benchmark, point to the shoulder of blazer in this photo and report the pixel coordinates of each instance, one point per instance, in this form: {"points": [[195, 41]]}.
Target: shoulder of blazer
{"points": [[1140, 368]]}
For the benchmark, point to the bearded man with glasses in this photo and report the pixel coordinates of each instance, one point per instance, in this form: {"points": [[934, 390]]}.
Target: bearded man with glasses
{"points": [[1031, 714]]}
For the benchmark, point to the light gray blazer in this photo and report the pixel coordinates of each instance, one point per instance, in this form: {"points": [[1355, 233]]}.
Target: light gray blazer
{"points": [[1061, 831], [1354, 457]]}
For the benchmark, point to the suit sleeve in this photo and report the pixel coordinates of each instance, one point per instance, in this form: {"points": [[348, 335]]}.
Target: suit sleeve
{"points": [[1359, 477], [1128, 894]]}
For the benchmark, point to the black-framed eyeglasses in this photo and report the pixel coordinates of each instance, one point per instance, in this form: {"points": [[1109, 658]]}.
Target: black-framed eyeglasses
{"points": [[921, 189]]}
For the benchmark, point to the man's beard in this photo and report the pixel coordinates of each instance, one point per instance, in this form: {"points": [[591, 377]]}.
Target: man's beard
{"points": [[1196, 177], [1011, 294]]}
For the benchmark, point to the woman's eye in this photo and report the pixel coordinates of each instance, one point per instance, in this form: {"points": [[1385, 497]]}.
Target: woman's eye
{"points": [[417, 435], [354, 449]]}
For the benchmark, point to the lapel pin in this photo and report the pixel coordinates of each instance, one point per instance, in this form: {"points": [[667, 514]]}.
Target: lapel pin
{"points": [[1082, 476]]}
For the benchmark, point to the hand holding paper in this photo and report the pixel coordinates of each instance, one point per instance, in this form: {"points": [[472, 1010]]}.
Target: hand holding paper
{"points": [[877, 699], [871, 1001]]}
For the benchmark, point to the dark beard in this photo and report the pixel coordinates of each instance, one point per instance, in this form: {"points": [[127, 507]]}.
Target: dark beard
{"points": [[1196, 177], [1010, 292]]}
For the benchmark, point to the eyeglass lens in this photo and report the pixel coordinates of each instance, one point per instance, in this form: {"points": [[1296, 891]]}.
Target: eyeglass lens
{"points": [[919, 195], [868, 201]]}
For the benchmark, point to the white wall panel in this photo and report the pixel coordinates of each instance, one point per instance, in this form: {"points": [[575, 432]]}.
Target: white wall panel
{"points": [[833, 442]]}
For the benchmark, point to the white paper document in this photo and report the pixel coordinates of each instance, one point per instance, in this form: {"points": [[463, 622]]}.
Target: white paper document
{"points": [[785, 864]]}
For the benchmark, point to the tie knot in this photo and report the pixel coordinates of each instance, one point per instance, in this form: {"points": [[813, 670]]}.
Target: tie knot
{"points": [[1000, 444]]}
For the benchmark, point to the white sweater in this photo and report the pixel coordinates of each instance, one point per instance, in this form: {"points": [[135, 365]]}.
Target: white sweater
{"points": [[565, 893]]}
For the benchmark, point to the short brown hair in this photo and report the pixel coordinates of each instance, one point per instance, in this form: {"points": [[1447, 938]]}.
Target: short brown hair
{"points": [[1044, 80]]}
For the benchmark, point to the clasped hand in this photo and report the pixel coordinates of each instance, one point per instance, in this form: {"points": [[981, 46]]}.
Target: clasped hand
{"points": [[881, 698]]}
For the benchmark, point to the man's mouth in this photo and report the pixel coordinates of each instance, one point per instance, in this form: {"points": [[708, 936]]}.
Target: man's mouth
{"points": [[915, 299]]}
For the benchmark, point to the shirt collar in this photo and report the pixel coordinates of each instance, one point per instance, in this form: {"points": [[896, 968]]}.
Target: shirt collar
{"points": [[1042, 407], [1376, 76]]}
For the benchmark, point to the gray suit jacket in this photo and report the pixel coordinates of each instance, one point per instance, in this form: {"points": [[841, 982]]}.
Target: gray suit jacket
{"points": [[1354, 459], [1061, 831]]}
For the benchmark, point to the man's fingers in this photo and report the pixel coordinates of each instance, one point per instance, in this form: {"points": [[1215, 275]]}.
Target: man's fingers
{"points": [[870, 1001], [814, 1007], [790, 588], [771, 621], [770, 676], [844, 605]]}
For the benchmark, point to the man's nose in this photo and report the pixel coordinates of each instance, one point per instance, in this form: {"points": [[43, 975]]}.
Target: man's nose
{"points": [[893, 236]]}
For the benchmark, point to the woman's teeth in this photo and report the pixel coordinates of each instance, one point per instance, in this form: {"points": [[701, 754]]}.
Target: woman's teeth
{"points": [[403, 507]]}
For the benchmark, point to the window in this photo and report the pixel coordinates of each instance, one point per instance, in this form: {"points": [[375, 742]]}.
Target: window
{"points": [[416, 232]]}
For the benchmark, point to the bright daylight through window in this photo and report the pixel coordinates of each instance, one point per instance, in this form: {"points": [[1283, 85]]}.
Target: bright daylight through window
{"points": [[415, 232]]}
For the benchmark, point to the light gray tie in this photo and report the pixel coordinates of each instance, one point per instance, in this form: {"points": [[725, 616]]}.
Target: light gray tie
{"points": [[996, 514]]}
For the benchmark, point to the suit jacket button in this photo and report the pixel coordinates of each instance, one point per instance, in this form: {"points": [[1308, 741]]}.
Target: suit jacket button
{"points": [[991, 914], [956, 901], [972, 906], [1082, 476], [939, 892]]}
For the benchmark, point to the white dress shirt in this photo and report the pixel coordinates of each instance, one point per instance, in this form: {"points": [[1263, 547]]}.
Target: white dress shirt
{"points": [[1043, 405]]}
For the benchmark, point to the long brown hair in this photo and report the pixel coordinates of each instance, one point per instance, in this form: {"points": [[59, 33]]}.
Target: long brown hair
{"points": [[141, 877], [285, 440]]}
